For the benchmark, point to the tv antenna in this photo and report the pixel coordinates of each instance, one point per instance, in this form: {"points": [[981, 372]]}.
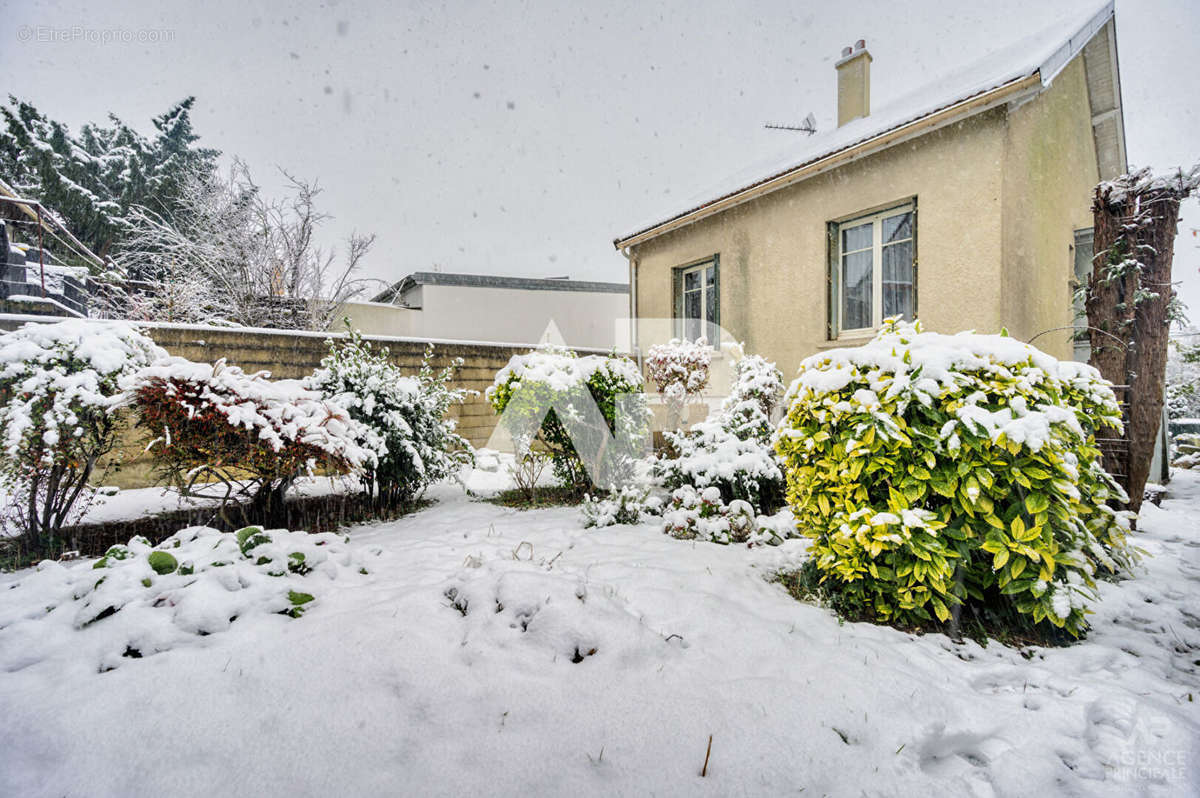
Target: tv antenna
{"points": [[809, 126]]}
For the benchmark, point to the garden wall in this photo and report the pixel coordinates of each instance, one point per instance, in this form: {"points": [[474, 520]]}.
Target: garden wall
{"points": [[292, 354]]}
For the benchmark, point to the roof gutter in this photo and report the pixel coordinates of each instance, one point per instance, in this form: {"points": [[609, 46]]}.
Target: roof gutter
{"points": [[1013, 90]]}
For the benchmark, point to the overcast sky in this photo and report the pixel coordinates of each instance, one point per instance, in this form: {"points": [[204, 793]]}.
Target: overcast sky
{"points": [[520, 138]]}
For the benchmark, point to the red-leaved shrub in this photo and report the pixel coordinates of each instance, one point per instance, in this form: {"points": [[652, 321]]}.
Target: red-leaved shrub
{"points": [[243, 438]]}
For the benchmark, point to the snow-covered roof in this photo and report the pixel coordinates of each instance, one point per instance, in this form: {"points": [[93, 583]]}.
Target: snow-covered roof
{"points": [[1042, 54], [497, 281]]}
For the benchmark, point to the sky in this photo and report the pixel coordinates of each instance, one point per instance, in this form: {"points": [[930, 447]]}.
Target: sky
{"points": [[520, 138]]}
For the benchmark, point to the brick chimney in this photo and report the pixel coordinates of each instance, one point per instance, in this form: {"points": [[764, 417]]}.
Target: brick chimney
{"points": [[854, 82]]}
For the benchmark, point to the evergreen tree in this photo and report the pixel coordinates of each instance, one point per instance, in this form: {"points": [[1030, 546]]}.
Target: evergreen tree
{"points": [[92, 179]]}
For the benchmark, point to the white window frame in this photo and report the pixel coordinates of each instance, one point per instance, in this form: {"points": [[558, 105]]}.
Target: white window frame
{"points": [[705, 321], [876, 221]]}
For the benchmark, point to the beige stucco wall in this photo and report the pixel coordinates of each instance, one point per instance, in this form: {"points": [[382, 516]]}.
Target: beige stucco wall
{"points": [[774, 254], [998, 198], [1049, 175]]}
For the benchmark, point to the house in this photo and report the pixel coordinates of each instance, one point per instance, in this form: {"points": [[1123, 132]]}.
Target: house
{"points": [[966, 204], [514, 310]]}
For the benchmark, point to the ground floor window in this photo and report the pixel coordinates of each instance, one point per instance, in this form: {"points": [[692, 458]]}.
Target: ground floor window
{"points": [[872, 269], [698, 300]]}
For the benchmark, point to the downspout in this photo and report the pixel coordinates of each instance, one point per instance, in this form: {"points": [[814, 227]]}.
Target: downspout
{"points": [[635, 350]]}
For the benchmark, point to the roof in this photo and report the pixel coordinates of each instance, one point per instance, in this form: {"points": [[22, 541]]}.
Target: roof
{"points": [[1031, 63], [495, 281]]}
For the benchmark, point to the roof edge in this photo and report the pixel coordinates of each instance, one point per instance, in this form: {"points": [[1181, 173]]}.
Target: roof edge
{"points": [[1074, 45], [966, 106], [1046, 72]]}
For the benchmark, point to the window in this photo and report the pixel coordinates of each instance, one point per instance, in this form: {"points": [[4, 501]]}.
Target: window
{"points": [[698, 300], [872, 270], [1084, 247]]}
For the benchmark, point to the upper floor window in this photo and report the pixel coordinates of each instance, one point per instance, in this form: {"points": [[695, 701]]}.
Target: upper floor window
{"points": [[698, 300], [872, 277]]}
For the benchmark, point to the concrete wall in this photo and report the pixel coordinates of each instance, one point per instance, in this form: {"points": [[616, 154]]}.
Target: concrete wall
{"points": [[379, 318], [293, 355], [584, 318], [504, 315], [774, 254]]}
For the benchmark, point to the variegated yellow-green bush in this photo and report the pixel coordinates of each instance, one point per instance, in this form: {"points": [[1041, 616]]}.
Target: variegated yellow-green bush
{"points": [[936, 471]]}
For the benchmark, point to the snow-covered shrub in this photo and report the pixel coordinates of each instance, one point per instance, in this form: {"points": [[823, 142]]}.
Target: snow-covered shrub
{"points": [[711, 455], [936, 470], [732, 451], [755, 394], [599, 396], [1186, 451], [221, 432], [1183, 380], [138, 600], [627, 505], [680, 370], [59, 392], [406, 413], [695, 514]]}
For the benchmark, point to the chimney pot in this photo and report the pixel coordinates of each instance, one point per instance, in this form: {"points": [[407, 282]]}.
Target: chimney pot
{"points": [[846, 51], [860, 44]]}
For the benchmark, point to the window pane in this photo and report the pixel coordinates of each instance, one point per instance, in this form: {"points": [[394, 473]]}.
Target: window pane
{"points": [[710, 306], [897, 228], [856, 238], [898, 280], [691, 314], [897, 262], [691, 281], [856, 290]]}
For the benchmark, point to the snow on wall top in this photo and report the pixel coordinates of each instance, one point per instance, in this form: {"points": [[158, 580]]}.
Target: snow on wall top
{"points": [[1043, 54]]}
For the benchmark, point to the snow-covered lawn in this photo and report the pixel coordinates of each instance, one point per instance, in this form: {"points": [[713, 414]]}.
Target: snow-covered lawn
{"points": [[490, 651]]}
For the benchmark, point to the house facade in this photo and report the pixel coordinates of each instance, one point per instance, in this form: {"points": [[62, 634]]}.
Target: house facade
{"points": [[966, 205]]}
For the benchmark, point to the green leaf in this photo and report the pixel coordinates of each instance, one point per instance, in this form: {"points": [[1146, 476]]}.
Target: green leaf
{"points": [[1036, 503], [939, 609]]}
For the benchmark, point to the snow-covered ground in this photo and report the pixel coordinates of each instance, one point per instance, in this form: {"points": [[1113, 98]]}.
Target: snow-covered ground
{"points": [[500, 652]]}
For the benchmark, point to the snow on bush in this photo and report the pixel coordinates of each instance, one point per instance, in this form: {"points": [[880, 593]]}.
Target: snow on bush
{"points": [[680, 370], [247, 434], [138, 600], [1186, 451], [711, 455], [600, 396], [406, 414], [625, 506], [757, 386], [941, 470], [59, 392], [732, 452], [695, 514]]}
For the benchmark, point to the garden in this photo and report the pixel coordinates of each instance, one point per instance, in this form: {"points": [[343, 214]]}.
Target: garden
{"points": [[909, 568]]}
